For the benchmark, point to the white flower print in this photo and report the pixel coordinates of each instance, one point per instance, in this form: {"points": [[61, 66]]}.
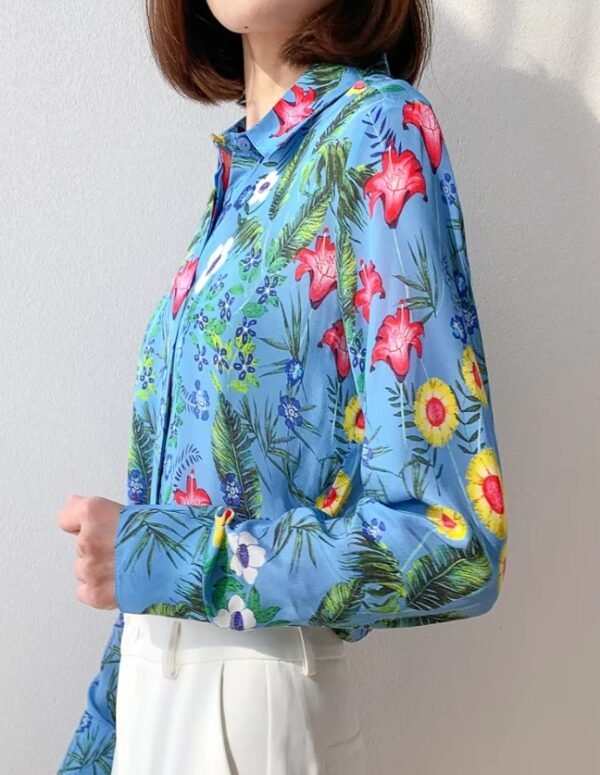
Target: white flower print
{"points": [[263, 185], [216, 258], [248, 555], [237, 616]]}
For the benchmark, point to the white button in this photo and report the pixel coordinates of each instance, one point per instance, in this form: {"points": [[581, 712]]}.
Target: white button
{"points": [[244, 143]]}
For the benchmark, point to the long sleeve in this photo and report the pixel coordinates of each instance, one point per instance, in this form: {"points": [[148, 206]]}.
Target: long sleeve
{"points": [[91, 749], [419, 531]]}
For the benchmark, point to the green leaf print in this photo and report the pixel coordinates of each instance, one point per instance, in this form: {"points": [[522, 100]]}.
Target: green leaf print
{"points": [[152, 529], [112, 656], [447, 574], [350, 209], [228, 585], [419, 621], [253, 310], [299, 232], [89, 752], [299, 163], [243, 385], [248, 234], [327, 166], [339, 604], [214, 328], [424, 281], [347, 274], [179, 610], [287, 175], [262, 615], [146, 379], [141, 441], [190, 592], [376, 565], [338, 123], [233, 458], [304, 532]]}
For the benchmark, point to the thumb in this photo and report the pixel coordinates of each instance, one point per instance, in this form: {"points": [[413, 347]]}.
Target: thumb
{"points": [[69, 518]]}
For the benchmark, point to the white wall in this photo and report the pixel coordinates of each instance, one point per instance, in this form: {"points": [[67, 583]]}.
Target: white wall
{"points": [[104, 171]]}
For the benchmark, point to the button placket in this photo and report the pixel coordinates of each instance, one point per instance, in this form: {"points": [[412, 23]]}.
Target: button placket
{"points": [[176, 325]]}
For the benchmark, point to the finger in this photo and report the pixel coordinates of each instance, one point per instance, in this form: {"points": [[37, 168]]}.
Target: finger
{"points": [[79, 569], [81, 593], [96, 597], [69, 517]]}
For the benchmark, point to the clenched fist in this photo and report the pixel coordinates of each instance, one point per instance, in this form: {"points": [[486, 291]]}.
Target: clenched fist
{"points": [[93, 521]]}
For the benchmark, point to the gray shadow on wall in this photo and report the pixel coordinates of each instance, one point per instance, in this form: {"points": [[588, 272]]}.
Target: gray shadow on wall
{"points": [[510, 692]]}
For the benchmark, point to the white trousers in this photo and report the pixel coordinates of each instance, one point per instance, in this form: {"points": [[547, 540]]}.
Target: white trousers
{"points": [[195, 698]]}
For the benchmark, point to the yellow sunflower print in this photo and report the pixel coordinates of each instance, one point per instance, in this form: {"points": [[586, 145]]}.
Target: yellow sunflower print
{"points": [[472, 375], [448, 522], [485, 489], [436, 411], [335, 497], [354, 420], [358, 87]]}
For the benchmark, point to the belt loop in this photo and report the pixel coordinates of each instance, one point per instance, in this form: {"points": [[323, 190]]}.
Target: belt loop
{"points": [[309, 666], [169, 664]]}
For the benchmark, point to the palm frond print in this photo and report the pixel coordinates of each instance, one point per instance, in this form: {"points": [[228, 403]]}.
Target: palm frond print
{"points": [[233, 460]]}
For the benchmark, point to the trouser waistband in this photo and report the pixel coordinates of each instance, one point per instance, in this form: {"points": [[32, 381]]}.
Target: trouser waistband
{"points": [[175, 641]]}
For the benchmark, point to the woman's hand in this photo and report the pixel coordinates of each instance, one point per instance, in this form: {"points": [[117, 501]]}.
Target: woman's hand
{"points": [[93, 521]]}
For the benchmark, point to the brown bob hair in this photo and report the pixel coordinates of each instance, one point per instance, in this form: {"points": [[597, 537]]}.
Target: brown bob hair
{"points": [[204, 61]]}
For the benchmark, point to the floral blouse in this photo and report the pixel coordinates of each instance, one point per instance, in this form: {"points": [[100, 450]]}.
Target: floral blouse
{"points": [[312, 437]]}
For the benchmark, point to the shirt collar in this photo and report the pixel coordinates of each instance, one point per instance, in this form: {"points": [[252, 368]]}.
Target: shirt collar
{"points": [[318, 86]]}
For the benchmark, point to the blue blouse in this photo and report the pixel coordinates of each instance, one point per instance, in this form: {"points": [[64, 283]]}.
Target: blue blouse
{"points": [[312, 437]]}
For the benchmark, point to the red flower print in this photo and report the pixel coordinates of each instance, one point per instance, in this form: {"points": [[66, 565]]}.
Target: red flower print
{"points": [[396, 335], [400, 178], [320, 264], [192, 495], [492, 489], [476, 375], [291, 113], [360, 420], [372, 284], [447, 521], [226, 161], [357, 87], [423, 117], [182, 282], [330, 497], [335, 337]]}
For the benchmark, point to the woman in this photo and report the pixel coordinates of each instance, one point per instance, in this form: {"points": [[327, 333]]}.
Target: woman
{"points": [[313, 452]]}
